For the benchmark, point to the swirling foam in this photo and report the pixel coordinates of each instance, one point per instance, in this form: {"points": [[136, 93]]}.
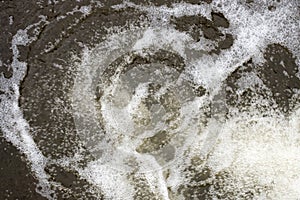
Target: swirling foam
{"points": [[253, 150]]}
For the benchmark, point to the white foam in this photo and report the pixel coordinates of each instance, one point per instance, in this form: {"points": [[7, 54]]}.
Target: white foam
{"points": [[252, 33], [12, 123], [263, 149], [107, 179]]}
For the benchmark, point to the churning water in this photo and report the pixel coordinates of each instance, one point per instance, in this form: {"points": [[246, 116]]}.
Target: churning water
{"points": [[159, 107]]}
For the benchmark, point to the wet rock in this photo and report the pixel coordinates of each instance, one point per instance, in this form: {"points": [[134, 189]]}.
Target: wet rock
{"points": [[219, 20], [198, 26], [227, 42], [168, 2], [154, 2], [198, 1], [192, 25], [279, 74], [245, 98], [210, 32]]}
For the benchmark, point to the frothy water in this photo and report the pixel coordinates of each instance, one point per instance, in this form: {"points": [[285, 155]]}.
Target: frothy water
{"points": [[151, 109]]}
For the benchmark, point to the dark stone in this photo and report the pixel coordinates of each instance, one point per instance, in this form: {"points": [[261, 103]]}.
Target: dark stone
{"points": [[168, 2], [279, 74], [241, 101], [198, 1], [155, 2], [193, 25], [185, 23], [227, 42], [211, 32], [219, 20]]}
